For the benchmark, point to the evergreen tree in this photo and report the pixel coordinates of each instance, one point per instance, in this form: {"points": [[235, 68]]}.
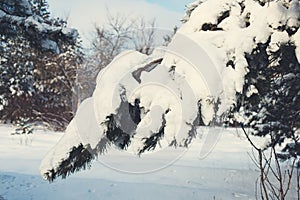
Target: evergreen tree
{"points": [[40, 8], [38, 64], [274, 109], [259, 63], [16, 79]]}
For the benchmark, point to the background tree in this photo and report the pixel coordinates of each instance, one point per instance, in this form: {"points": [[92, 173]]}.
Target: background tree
{"points": [[38, 64], [119, 33]]}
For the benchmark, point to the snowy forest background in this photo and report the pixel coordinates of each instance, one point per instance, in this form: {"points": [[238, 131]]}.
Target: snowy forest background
{"points": [[49, 79]]}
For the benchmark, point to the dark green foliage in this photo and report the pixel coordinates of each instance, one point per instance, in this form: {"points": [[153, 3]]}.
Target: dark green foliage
{"points": [[79, 158], [16, 79], [290, 150], [40, 8], [121, 126], [24, 127], [135, 112], [151, 142], [20, 8], [193, 132], [274, 110], [38, 67], [214, 27], [116, 134]]}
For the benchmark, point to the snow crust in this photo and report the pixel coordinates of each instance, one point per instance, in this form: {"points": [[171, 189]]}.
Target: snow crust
{"points": [[227, 172]]}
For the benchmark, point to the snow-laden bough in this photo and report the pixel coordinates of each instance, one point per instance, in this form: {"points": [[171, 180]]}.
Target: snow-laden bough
{"points": [[147, 103]]}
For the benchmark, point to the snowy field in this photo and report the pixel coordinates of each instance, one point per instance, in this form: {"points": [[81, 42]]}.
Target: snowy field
{"points": [[226, 173]]}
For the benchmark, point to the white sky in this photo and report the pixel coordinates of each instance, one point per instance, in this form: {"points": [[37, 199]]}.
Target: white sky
{"points": [[83, 14]]}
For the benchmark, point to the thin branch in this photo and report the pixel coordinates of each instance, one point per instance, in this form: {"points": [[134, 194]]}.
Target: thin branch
{"points": [[255, 162], [248, 138], [298, 180], [262, 178], [290, 176], [279, 173]]}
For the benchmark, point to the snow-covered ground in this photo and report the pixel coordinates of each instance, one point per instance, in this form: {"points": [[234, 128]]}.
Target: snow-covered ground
{"points": [[226, 173]]}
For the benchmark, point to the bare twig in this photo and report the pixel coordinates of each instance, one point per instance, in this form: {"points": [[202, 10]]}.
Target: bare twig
{"points": [[298, 180], [264, 192], [290, 176]]}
